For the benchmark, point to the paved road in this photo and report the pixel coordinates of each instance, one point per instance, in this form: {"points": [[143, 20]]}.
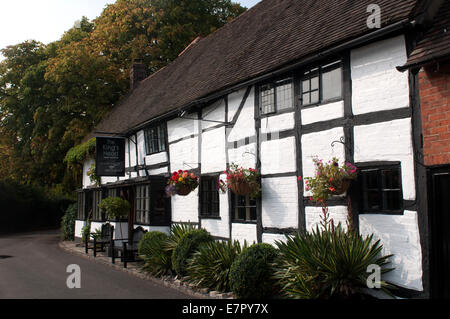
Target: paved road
{"points": [[33, 266]]}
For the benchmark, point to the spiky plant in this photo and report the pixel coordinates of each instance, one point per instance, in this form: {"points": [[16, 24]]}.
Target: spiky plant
{"points": [[210, 266], [176, 232], [328, 264], [153, 249]]}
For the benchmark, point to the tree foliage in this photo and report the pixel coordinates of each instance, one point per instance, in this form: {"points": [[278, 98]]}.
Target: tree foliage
{"points": [[52, 95]]}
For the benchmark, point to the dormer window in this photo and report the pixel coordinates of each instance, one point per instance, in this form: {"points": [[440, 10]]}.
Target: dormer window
{"points": [[321, 84], [276, 96]]}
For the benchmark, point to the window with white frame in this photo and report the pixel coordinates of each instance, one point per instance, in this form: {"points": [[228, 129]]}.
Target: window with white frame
{"points": [[143, 204], [321, 84], [155, 139]]}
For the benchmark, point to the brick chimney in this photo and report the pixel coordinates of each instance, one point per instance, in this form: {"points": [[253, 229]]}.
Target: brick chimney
{"points": [[138, 72]]}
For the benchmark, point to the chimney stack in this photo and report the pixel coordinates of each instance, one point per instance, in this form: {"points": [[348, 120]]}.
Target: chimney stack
{"points": [[138, 72]]}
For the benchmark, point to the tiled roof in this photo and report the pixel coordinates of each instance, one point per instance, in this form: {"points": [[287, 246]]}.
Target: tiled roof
{"points": [[435, 44], [271, 34]]}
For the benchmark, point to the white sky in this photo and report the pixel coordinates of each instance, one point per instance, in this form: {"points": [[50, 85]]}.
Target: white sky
{"points": [[46, 20]]}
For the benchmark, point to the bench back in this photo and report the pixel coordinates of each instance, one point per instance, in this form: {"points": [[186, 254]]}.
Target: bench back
{"points": [[107, 231], [138, 233]]}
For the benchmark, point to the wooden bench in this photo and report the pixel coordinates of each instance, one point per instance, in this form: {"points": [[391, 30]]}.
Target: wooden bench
{"points": [[105, 239], [127, 250]]}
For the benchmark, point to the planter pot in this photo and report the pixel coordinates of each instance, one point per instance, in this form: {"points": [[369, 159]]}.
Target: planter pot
{"points": [[183, 190], [343, 187], [241, 188]]}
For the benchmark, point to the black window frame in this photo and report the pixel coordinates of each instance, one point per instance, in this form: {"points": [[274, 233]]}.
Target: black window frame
{"points": [[273, 84], [161, 138], [317, 71], [248, 209], [382, 190], [209, 199]]}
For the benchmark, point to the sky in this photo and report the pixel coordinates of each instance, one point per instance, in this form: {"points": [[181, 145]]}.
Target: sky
{"points": [[46, 20]]}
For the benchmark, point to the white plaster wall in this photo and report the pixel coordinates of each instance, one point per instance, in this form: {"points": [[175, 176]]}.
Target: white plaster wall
{"points": [[141, 146], [184, 154], [185, 208], [278, 123], [280, 202], [156, 158], [399, 236], [314, 215], [388, 141], [245, 125], [244, 156], [158, 171], [108, 179], [95, 226], [234, 100], [244, 232], [319, 144], [278, 156], [219, 227], [214, 112], [180, 128], [133, 158], [272, 238], [376, 83], [162, 229], [117, 230], [79, 224], [86, 180], [325, 112], [213, 157]]}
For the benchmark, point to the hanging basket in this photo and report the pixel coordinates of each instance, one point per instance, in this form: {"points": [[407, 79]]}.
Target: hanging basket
{"points": [[241, 188], [343, 187], [183, 190]]}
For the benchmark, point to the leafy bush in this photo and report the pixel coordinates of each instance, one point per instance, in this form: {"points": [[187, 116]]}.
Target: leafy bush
{"points": [[68, 223], [186, 247], [85, 231], [327, 264], [176, 233], [115, 207], [251, 273], [153, 249], [210, 266]]}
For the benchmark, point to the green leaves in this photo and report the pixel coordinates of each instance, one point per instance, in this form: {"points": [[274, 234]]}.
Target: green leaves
{"points": [[115, 207], [328, 263]]}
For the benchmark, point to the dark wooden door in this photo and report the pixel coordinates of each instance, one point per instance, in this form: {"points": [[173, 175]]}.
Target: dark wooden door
{"points": [[160, 204], [440, 232]]}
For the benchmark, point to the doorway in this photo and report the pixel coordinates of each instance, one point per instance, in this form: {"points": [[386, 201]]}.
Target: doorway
{"points": [[439, 190]]}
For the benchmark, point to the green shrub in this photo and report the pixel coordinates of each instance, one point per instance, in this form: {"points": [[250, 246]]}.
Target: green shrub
{"points": [[251, 273], [85, 231], [68, 223], [210, 266], [188, 244], [176, 232], [115, 207], [153, 249], [327, 264]]}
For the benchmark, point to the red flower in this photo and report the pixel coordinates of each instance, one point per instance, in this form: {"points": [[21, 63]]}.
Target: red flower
{"points": [[299, 178]]}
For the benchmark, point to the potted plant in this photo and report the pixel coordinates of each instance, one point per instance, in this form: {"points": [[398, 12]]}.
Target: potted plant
{"points": [[181, 183], [330, 179], [243, 181], [116, 208]]}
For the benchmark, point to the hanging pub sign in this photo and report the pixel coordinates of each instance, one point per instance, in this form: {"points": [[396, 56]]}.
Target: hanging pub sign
{"points": [[110, 158]]}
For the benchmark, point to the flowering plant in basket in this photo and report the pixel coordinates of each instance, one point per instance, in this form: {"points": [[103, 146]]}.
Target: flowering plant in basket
{"points": [[181, 183], [243, 181], [330, 179]]}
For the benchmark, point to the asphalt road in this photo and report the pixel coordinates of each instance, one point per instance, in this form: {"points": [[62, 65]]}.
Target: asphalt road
{"points": [[33, 266]]}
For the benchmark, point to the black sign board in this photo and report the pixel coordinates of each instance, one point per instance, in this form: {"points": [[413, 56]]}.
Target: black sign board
{"points": [[110, 159]]}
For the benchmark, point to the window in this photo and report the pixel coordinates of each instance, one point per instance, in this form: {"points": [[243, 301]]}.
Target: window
{"points": [[96, 212], [155, 139], [143, 204], [209, 197], [381, 189], [243, 208], [112, 192], [321, 84], [80, 204], [276, 96]]}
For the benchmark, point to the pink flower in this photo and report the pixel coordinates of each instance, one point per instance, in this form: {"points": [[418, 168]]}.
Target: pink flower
{"points": [[299, 178]]}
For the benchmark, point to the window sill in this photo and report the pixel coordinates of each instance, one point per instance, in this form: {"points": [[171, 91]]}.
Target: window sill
{"points": [[210, 217], [313, 105]]}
